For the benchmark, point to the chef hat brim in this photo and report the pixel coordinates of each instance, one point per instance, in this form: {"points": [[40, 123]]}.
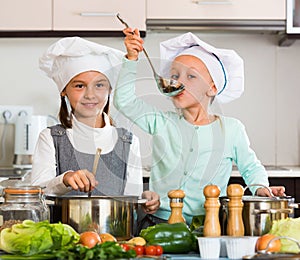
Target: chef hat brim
{"points": [[226, 67]]}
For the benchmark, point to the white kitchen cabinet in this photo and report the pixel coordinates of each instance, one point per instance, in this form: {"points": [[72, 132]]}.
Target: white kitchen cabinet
{"points": [[97, 15], [217, 9], [18, 15]]}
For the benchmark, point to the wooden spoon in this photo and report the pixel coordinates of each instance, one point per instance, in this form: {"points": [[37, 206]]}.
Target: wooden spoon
{"points": [[95, 166]]}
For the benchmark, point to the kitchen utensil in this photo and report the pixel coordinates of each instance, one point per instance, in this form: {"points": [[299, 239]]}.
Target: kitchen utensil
{"points": [[104, 214], [176, 205], [95, 165], [211, 223], [168, 87], [258, 213], [235, 226]]}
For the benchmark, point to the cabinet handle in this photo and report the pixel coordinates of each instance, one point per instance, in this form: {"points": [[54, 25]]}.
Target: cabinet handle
{"points": [[98, 14], [207, 2]]}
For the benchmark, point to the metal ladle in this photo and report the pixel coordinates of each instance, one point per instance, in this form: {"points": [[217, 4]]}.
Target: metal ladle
{"points": [[168, 87]]}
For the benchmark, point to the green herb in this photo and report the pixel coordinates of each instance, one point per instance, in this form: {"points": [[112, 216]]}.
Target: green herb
{"points": [[106, 250]]}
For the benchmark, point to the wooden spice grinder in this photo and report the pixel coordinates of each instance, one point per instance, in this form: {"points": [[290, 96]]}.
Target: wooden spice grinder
{"points": [[235, 225], [176, 204], [212, 227]]}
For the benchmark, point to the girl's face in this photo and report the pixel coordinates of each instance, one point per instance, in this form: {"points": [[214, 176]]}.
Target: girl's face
{"points": [[88, 94], [199, 86]]}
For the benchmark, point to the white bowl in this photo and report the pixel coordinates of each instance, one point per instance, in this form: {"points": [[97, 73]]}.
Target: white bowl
{"points": [[209, 247], [251, 248], [237, 247]]}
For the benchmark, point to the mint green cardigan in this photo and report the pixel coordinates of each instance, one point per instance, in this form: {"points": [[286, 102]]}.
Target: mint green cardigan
{"points": [[186, 156]]}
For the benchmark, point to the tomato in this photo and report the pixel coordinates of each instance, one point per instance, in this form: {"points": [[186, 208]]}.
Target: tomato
{"points": [[150, 250], [139, 250], [125, 247], [262, 243], [159, 250], [89, 239]]}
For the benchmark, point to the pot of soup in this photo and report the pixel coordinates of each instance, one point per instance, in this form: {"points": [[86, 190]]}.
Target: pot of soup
{"points": [[116, 215]]}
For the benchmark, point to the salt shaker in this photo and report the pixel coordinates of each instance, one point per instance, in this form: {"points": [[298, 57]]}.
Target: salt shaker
{"points": [[235, 225], [212, 227], [176, 204]]}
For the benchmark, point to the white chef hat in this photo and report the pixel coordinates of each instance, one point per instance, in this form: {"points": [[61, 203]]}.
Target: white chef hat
{"points": [[71, 56], [226, 67]]}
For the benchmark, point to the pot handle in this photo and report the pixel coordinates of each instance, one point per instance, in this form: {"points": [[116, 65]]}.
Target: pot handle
{"points": [[294, 205], [272, 211]]}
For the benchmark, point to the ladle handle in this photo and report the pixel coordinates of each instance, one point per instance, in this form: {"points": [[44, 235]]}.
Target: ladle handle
{"points": [[145, 52]]}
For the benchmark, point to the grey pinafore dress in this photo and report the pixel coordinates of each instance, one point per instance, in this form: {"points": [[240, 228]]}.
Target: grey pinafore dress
{"points": [[112, 167]]}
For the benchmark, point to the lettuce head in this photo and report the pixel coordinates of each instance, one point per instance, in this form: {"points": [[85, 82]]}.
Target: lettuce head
{"points": [[31, 238], [289, 227]]}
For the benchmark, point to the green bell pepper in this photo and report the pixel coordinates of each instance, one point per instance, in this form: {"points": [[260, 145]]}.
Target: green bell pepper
{"points": [[174, 238]]}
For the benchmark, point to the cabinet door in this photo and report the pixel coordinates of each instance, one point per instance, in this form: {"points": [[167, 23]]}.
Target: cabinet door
{"points": [[216, 9], [98, 14], [16, 15]]}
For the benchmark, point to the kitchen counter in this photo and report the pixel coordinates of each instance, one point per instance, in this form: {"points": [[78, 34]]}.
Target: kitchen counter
{"points": [[276, 171], [273, 171]]}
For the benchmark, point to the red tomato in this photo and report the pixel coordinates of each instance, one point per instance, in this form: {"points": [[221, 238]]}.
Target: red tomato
{"points": [[139, 250], [159, 250], [126, 247], [89, 239], [150, 250]]}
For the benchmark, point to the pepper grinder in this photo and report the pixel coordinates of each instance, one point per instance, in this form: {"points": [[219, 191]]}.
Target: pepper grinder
{"points": [[212, 227], [176, 204], [235, 225]]}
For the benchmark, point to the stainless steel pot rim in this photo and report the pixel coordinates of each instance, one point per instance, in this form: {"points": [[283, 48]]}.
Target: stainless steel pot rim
{"points": [[121, 197], [261, 199]]}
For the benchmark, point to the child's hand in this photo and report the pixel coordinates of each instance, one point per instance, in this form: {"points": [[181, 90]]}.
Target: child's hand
{"points": [[153, 201], [133, 43], [82, 180]]}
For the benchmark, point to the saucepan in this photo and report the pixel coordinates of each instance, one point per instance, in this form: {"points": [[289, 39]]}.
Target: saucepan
{"points": [[259, 212], [116, 215]]}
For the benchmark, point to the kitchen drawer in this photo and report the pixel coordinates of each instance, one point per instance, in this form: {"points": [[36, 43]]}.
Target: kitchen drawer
{"points": [[98, 15], [217, 9], [18, 15]]}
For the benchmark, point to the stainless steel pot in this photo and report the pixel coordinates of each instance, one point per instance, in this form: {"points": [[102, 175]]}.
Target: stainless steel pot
{"points": [[259, 213], [104, 214]]}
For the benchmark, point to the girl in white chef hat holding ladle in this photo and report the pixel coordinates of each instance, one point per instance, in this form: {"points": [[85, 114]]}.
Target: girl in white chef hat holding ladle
{"points": [[84, 72], [192, 148]]}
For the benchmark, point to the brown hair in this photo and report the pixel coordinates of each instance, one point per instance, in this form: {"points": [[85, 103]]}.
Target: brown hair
{"points": [[65, 117]]}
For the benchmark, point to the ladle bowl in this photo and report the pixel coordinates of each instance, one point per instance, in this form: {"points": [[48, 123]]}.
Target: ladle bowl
{"points": [[168, 87]]}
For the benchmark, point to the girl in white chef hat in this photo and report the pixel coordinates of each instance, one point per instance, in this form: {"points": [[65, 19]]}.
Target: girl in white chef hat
{"points": [[193, 148], [84, 73]]}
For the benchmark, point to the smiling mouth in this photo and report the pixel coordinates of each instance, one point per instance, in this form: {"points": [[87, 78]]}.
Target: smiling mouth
{"points": [[89, 104]]}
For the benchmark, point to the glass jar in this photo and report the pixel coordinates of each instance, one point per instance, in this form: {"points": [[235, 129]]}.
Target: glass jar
{"points": [[22, 203]]}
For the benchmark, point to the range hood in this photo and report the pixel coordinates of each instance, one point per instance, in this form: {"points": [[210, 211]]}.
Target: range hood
{"points": [[273, 26], [277, 27]]}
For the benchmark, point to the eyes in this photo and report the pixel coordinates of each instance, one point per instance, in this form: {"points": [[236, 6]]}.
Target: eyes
{"points": [[98, 85], [176, 76]]}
